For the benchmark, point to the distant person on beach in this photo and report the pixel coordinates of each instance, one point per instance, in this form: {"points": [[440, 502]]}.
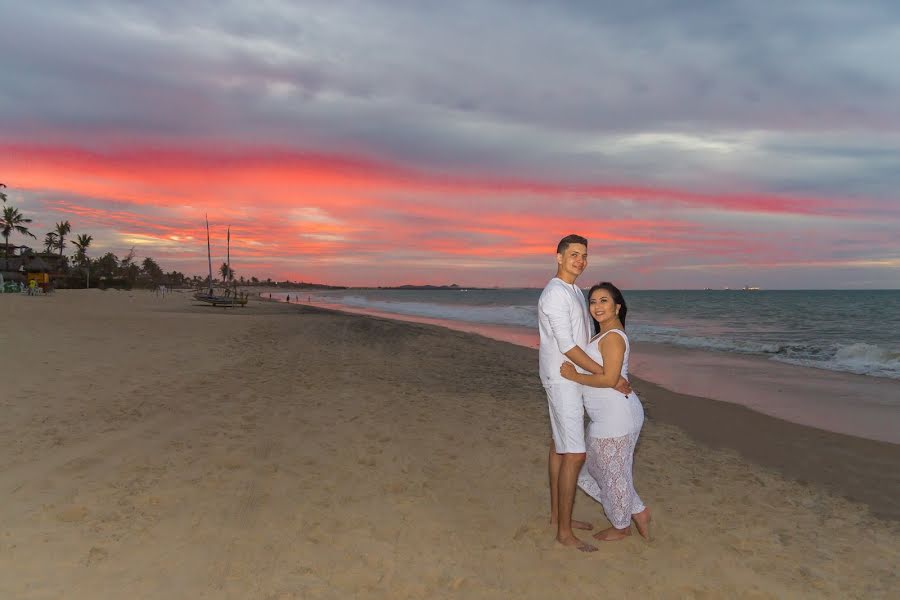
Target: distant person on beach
{"points": [[563, 322], [615, 418]]}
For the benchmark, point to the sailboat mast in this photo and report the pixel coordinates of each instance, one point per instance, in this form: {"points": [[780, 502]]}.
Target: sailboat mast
{"points": [[228, 254], [209, 256]]}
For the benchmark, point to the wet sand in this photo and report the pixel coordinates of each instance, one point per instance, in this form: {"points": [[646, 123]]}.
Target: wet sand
{"points": [[855, 405]]}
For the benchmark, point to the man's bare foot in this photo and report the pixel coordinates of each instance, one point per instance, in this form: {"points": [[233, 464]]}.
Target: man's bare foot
{"points": [[576, 543], [611, 534], [584, 525], [642, 521]]}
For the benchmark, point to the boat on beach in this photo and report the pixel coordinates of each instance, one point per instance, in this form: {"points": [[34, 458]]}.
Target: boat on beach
{"points": [[227, 298], [230, 295]]}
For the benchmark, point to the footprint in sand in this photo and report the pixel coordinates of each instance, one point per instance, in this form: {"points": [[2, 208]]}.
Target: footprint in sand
{"points": [[95, 555]]}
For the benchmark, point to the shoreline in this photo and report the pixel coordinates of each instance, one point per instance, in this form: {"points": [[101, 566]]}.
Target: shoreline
{"points": [[838, 462], [749, 381], [832, 401]]}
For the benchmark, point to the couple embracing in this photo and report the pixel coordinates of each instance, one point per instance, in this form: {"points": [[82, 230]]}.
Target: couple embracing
{"points": [[592, 337]]}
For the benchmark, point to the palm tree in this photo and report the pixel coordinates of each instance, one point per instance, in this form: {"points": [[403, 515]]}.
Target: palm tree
{"points": [[152, 270], [62, 230], [50, 241], [12, 220], [227, 273], [2, 195], [81, 243]]}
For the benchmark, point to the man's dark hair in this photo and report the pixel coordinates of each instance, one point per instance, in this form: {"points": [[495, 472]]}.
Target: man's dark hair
{"points": [[563, 244]]}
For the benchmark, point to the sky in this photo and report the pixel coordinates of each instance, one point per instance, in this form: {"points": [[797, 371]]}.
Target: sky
{"points": [[695, 144]]}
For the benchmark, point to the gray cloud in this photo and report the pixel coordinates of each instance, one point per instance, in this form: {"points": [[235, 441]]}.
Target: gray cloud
{"points": [[552, 90]]}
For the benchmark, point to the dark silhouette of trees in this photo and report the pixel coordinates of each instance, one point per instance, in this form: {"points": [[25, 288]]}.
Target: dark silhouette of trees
{"points": [[12, 221], [62, 230]]}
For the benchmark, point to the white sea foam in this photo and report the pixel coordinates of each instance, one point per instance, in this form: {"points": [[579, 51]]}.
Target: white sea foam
{"points": [[859, 358], [862, 359]]}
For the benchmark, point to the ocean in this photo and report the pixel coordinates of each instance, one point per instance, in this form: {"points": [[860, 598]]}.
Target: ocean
{"points": [[832, 336]]}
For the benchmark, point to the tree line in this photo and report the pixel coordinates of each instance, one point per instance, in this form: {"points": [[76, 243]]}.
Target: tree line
{"points": [[107, 270]]}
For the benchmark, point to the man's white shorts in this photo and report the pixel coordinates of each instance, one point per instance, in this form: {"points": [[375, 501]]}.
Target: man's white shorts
{"points": [[566, 416]]}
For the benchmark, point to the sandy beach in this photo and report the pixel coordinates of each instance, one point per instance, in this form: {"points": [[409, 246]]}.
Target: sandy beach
{"points": [[157, 449]]}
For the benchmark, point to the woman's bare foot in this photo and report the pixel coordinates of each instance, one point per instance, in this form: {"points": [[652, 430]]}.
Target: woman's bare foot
{"points": [[576, 543], [642, 521], [611, 534], [584, 525]]}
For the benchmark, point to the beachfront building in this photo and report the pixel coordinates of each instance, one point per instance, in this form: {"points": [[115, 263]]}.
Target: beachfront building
{"points": [[22, 263]]}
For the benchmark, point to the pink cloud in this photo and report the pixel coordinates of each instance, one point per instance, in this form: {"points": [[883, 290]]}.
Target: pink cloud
{"points": [[310, 208]]}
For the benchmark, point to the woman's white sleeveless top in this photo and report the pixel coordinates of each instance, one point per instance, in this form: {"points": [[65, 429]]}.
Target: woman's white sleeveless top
{"points": [[594, 350], [612, 414]]}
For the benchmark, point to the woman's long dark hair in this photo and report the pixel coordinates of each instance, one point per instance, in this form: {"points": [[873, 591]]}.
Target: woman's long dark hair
{"points": [[617, 297]]}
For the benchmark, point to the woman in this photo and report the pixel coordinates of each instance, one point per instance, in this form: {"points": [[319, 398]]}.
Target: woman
{"points": [[616, 418]]}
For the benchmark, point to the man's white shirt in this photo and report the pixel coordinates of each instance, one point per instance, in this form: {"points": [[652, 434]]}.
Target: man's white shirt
{"points": [[563, 322]]}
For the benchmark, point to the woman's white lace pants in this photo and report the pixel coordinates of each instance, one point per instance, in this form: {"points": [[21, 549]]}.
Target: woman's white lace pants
{"points": [[607, 477]]}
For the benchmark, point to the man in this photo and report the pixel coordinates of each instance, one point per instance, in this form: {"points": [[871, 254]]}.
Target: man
{"points": [[565, 327]]}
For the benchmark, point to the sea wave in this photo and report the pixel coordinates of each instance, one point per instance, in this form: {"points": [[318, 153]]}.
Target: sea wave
{"points": [[675, 337], [859, 358]]}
